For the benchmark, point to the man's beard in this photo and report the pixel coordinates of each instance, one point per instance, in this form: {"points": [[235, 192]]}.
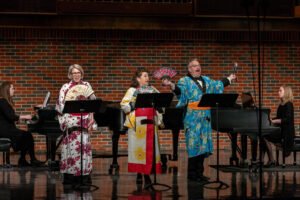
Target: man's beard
{"points": [[196, 75]]}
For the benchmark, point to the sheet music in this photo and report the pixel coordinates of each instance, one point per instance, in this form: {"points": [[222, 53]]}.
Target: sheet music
{"points": [[46, 100]]}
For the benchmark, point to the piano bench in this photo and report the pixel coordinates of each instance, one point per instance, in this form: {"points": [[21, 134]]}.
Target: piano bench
{"points": [[294, 149], [5, 145]]}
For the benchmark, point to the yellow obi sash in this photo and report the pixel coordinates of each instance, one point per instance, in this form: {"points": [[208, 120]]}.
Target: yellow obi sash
{"points": [[194, 106]]}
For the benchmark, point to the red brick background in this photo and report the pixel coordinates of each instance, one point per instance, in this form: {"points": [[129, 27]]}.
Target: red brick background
{"points": [[37, 61]]}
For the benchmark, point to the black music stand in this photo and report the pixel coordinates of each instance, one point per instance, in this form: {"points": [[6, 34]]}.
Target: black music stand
{"points": [[82, 106], [216, 101], [154, 100]]}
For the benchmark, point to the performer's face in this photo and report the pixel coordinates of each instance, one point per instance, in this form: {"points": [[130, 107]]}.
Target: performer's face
{"points": [[281, 92], [11, 90], [76, 75], [143, 79], [195, 68]]}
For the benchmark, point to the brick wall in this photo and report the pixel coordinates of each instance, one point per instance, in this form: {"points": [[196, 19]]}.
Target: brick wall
{"points": [[37, 61]]}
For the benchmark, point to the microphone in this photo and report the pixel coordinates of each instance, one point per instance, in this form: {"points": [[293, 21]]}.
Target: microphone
{"points": [[235, 66]]}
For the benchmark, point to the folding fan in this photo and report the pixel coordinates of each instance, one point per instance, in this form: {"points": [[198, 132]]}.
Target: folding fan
{"points": [[164, 72], [79, 92]]}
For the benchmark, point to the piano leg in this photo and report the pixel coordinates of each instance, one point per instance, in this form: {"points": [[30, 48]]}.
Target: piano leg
{"points": [[254, 167], [244, 162], [51, 148], [48, 148], [253, 150], [233, 158], [115, 143], [175, 136]]}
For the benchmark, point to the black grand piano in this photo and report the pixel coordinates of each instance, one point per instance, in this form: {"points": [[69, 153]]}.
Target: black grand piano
{"points": [[46, 123], [245, 122]]}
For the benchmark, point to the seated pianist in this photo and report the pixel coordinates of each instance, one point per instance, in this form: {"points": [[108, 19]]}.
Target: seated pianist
{"points": [[21, 140]]}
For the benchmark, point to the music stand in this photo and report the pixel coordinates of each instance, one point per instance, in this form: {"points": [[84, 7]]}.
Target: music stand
{"points": [[154, 100], [216, 101], [82, 106]]}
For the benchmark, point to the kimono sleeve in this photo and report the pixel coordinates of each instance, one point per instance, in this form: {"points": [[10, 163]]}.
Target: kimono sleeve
{"points": [[61, 100], [214, 86], [183, 96], [127, 99]]}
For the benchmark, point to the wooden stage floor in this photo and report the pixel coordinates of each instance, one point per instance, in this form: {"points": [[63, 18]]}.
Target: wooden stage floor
{"points": [[41, 183]]}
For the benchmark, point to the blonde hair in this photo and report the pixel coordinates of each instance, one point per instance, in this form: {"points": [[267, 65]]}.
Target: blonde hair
{"points": [[288, 94], [75, 66]]}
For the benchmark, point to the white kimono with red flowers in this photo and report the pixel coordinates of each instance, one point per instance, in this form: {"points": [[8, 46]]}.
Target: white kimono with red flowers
{"points": [[70, 124]]}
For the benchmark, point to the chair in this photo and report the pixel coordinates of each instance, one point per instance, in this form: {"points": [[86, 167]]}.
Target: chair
{"points": [[5, 145], [282, 147]]}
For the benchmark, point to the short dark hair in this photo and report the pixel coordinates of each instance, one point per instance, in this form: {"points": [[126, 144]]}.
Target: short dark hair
{"points": [[138, 73], [191, 60]]}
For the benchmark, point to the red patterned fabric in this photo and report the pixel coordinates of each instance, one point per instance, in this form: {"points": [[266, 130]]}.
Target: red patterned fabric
{"points": [[146, 168]]}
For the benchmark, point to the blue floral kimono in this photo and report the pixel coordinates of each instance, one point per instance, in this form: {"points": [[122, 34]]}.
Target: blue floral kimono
{"points": [[198, 131]]}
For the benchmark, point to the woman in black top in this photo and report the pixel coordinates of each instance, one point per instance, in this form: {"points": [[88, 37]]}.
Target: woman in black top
{"points": [[285, 119], [21, 140]]}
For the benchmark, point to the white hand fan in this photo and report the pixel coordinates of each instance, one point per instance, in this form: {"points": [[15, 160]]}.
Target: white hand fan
{"points": [[79, 92]]}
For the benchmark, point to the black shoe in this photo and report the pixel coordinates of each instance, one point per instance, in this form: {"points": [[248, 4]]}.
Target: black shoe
{"points": [[23, 163], [148, 182], [68, 179], [192, 178], [199, 179], [202, 181], [205, 178], [36, 163], [86, 179], [139, 179], [77, 180], [270, 164]]}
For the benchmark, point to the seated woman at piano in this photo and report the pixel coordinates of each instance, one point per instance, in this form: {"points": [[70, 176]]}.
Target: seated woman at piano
{"points": [[198, 131], [21, 140], [140, 136], [285, 119], [70, 124]]}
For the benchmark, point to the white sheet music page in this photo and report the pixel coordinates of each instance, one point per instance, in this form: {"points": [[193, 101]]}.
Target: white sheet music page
{"points": [[46, 100]]}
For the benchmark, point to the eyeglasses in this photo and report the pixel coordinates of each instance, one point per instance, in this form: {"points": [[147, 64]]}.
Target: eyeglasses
{"points": [[73, 73], [194, 65]]}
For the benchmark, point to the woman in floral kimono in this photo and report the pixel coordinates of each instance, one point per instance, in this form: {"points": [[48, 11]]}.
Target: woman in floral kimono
{"points": [[198, 131], [140, 136], [70, 124]]}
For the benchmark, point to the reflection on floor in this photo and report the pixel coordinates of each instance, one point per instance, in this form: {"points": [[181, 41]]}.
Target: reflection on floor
{"points": [[41, 183]]}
